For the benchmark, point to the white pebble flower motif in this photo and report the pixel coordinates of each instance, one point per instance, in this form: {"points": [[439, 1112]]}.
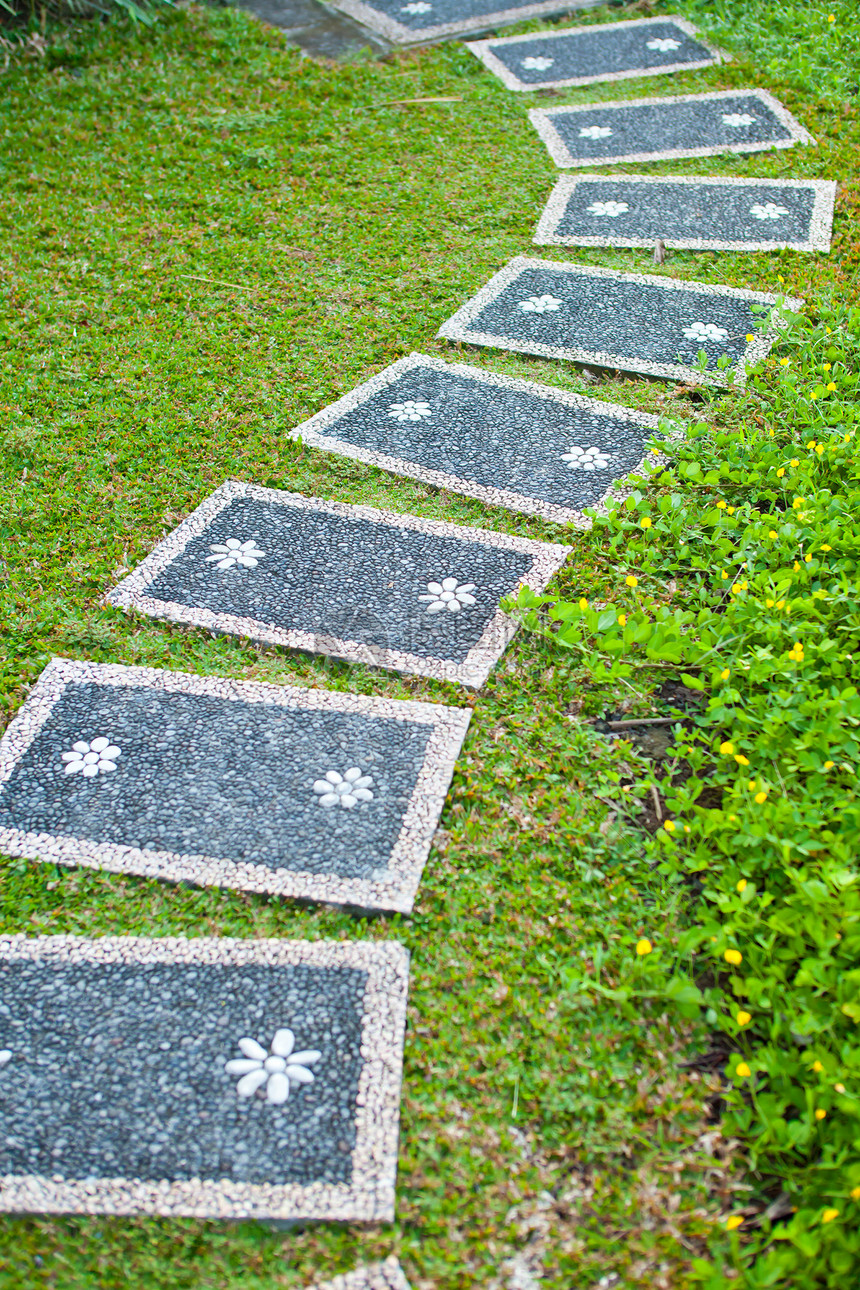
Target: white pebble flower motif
{"points": [[608, 208], [663, 44], [737, 119], [537, 64], [94, 758], [411, 410], [541, 304], [586, 459], [346, 790], [274, 1072], [595, 132], [449, 594], [768, 210], [417, 6], [5, 1057], [226, 554], [705, 331]]}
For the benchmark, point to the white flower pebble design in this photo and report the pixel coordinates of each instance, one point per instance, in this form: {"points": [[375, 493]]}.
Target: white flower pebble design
{"points": [[737, 119], [448, 594], [411, 410], [586, 459], [275, 1072], [663, 43], [595, 132], [344, 790], [536, 64], [226, 554], [540, 304], [5, 1057], [418, 6], [95, 758], [705, 331], [768, 210], [608, 208]]}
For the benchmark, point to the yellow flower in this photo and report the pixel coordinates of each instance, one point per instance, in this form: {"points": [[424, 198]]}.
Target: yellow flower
{"points": [[733, 819], [779, 604], [839, 1088], [796, 567], [734, 1221], [768, 604], [643, 947], [780, 278], [669, 826], [797, 503], [794, 462], [828, 765], [831, 17], [727, 748], [730, 510], [807, 559], [819, 448], [855, 1193], [622, 619], [817, 1067], [743, 1018], [780, 472], [645, 524], [720, 505], [741, 884], [826, 547], [744, 586], [772, 534], [830, 386], [826, 367], [813, 395], [820, 1114], [741, 760], [783, 362], [751, 785], [743, 1070], [811, 443], [734, 957], [829, 1215], [723, 573], [725, 674], [750, 336], [631, 581], [761, 798], [583, 604]]}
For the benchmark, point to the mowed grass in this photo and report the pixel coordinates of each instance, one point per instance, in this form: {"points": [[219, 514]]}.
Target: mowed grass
{"points": [[205, 239]]}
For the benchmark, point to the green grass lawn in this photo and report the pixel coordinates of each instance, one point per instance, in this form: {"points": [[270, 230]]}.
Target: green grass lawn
{"points": [[205, 239]]}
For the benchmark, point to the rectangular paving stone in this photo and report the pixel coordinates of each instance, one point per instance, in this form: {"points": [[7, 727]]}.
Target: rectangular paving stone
{"points": [[366, 585], [506, 441], [208, 1077], [378, 1276], [308, 793], [689, 213], [629, 321], [687, 125], [612, 51], [408, 22]]}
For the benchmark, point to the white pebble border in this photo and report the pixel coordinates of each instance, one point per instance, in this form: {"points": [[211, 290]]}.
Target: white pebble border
{"points": [[483, 49], [393, 890], [376, 1276], [368, 1198], [473, 671], [459, 326], [313, 432]]}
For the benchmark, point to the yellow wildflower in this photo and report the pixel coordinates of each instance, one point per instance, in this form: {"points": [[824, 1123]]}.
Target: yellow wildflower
{"points": [[631, 581], [855, 1193], [743, 1018], [797, 503], [820, 1114], [817, 1067], [583, 603], [827, 547], [645, 524], [741, 760], [741, 884], [761, 798], [727, 748], [730, 510], [780, 472], [827, 366], [720, 505], [725, 674], [734, 957], [750, 336], [643, 947], [772, 534], [807, 559], [829, 1215], [828, 765], [768, 604], [783, 362], [830, 386], [622, 619], [743, 1070], [794, 462], [669, 826], [734, 1221]]}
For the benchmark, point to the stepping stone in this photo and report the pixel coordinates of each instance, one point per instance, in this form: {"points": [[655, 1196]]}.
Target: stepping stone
{"points": [[612, 51], [689, 213], [691, 125], [213, 1078], [310, 793], [629, 321], [506, 441], [409, 22], [362, 584], [379, 1276]]}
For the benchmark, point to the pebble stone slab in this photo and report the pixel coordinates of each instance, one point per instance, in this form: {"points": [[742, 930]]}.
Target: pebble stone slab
{"points": [[613, 51], [115, 1096], [689, 213], [378, 1276], [506, 441], [629, 321], [407, 22], [350, 581], [223, 782], [688, 125]]}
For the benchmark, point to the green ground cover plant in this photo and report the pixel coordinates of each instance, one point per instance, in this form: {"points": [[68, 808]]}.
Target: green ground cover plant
{"points": [[205, 238]]}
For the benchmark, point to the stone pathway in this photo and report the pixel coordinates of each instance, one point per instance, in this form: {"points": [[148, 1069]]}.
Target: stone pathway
{"points": [[505, 441], [689, 125], [613, 51], [628, 321], [261, 1079], [365, 585], [214, 1078], [689, 213]]}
